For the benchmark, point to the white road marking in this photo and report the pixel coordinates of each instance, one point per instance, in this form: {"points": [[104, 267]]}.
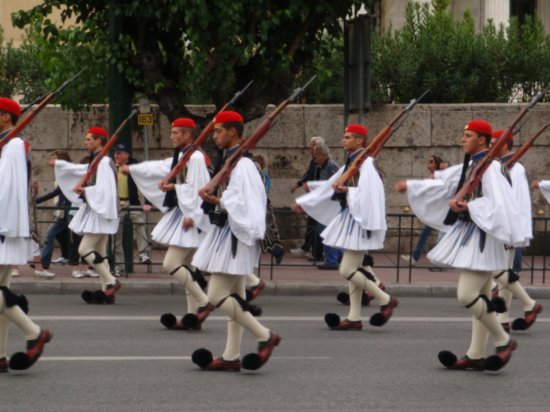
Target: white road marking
{"points": [[154, 358], [266, 318]]}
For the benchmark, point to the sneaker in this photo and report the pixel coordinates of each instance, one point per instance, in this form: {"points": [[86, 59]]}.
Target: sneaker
{"points": [[44, 274], [143, 258], [91, 273], [15, 272], [298, 252], [77, 274], [60, 260], [118, 273], [409, 258]]}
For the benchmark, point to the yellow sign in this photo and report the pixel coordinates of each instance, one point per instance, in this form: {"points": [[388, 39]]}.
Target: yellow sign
{"points": [[145, 119]]}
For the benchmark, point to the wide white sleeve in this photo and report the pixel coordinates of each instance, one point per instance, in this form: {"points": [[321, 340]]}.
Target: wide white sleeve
{"points": [[367, 201], [13, 190], [147, 176], [496, 212], [67, 175], [103, 197], [318, 203], [544, 186], [520, 186], [245, 201], [429, 198], [189, 201]]}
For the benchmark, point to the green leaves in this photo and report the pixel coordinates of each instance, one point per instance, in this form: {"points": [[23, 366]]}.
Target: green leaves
{"points": [[457, 63]]}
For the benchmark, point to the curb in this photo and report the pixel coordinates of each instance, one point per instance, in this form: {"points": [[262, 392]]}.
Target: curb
{"points": [[278, 288]]}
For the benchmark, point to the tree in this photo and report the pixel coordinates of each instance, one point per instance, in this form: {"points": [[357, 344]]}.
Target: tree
{"points": [[458, 64], [20, 72], [177, 52]]}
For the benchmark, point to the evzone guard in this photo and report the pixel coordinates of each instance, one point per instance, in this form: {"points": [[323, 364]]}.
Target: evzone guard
{"points": [[183, 225], [232, 249], [97, 216], [485, 223], [508, 281], [15, 240], [355, 218]]}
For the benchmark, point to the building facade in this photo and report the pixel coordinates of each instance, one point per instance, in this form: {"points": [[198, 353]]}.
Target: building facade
{"points": [[500, 11]]}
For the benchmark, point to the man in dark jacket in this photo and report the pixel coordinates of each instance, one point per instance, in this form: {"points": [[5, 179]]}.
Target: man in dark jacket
{"points": [[128, 197]]}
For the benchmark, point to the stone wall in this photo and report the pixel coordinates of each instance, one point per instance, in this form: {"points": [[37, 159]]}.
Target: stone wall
{"points": [[430, 129]]}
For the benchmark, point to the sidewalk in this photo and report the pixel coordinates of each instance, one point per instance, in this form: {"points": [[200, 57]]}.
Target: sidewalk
{"points": [[295, 276]]}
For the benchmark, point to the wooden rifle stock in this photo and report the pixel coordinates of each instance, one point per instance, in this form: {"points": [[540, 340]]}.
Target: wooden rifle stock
{"points": [[43, 103], [188, 150], [524, 147], [110, 143], [251, 141], [377, 144], [477, 173]]}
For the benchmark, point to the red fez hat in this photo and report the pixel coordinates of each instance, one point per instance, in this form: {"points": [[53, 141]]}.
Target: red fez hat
{"points": [[499, 133], [100, 131], [10, 106], [184, 122], [357, 128], [479, 126], [228, 117]]}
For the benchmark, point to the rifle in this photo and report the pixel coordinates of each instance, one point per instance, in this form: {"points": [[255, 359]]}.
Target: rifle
{"points": [[524, 147], [43, 103], [110, 143], [250, 142], [190, 149], [376, 145], [477, 173]]}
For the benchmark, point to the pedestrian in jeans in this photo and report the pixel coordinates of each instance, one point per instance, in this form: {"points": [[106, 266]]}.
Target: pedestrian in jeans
{"points": [[58, 229]]}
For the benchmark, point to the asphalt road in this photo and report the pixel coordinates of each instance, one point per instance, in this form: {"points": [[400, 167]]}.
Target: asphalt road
{"points": [[120, 358]]}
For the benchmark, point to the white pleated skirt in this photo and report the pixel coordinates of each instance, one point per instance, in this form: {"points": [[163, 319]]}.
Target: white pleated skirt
{"points": [[214, 254], [16, 251], [169, 231], [460, 248], [345, 233], [87, 221]]}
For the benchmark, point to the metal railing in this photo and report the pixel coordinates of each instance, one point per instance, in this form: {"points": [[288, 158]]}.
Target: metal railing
{"points": [[128, 241], [404, 231], [402, 234]]}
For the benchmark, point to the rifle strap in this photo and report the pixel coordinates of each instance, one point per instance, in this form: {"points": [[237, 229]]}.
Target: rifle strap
{"points": [[452, 216], [170, 198]]}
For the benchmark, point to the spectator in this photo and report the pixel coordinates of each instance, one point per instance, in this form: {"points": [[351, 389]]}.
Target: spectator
{"points": [[59, 228], [326, 167], [312, 240], [128, 196]]}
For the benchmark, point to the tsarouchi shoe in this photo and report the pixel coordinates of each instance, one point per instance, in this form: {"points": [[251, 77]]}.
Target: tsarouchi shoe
{"points": [[529, 318], [254, 361], [501, 357], [35, 347]]}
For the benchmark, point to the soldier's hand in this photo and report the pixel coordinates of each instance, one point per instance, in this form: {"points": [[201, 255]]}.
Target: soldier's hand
{"points": [[296, 208], [400, 186]]}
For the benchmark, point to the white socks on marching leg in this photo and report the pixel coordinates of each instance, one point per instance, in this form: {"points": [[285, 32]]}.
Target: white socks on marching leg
{"points": [[471, 286], [221, 288], [29, 329], [177, 259], [478, 343], [233, 345], [351, 262]]}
